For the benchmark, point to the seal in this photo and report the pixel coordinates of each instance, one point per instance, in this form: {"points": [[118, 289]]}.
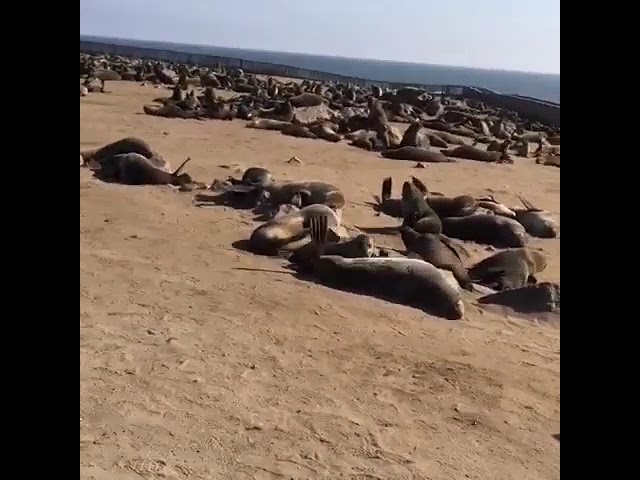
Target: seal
{"points": [[552, 160], [417, 213], [324, 131], [299, 131], [488, 229], [361, 246], [538, 298], [508, 269], [125, 145], [436, 140], [136, 169], [538, 223], [279, 193], [416, 154], [283, 112], [491, 204], [291, 231], [404, 280], [438, 251], [414, 137], [469, 152], [307, 100]]}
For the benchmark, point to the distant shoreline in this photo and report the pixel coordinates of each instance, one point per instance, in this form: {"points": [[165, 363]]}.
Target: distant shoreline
{"points": [[544, 86]]}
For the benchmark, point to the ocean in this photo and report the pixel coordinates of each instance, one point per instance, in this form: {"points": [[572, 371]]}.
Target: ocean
{"points": [[537, 85]]}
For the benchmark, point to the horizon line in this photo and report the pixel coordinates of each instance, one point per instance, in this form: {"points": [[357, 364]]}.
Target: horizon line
{"points": [[252, 49]]}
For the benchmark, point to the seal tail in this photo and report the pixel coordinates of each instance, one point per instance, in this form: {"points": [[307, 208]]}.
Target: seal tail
{"points": [[387, 185], [177, 170]]}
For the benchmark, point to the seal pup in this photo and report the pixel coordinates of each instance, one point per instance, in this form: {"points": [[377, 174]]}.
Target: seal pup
{"points": [[417, 213], [438, 251], [537, 298], [487, 229], [404, 280], [552, 160], [416, 154], [507, 269], [307, 100], [299, 131], [491, 204], [536, 222], [291, 231], [414, 137], [361, 246]]}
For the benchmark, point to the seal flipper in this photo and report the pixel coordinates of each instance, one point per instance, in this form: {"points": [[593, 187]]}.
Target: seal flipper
{"points": [[387, 185], [419, 185], [449, 244]]}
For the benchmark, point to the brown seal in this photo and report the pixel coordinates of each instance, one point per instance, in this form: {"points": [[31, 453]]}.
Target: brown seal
{"points": [[487, 229], [416, 154], [536, 222], [459, 206], [469, 152], [135, 169], [125, 145], [414, 137], [298, 131], [405, 280], [538, 298], [289, 232], [437, 250], [267, 124], [417, 213], [507, 269]]}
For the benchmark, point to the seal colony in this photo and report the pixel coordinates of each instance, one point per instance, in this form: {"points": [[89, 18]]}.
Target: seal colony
{"points": [[443, 129], [303, 219], [304, 223]]}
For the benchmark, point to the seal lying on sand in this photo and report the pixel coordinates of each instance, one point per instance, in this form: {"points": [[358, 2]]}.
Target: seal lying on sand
{"points": [[472, 153], [512, 268], [291, 231], [361, 246], [125, 145], [135, 169], [536, 222], [538, 298], [438, 251], [311, 192], [267, 124], [487, 229], [403, 280], [416, 154]]}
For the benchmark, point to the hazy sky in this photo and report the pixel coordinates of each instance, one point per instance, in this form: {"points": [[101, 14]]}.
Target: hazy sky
{"points": [[506, 34]]}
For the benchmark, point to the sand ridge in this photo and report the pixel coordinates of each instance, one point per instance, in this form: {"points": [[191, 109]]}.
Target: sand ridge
{"points": [[194, 368]]}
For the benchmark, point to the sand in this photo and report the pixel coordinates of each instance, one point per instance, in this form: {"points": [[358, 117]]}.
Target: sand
{"points": [[192, 367]]}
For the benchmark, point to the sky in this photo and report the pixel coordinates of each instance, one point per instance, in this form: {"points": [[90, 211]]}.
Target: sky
{"points": [[521, 35]]}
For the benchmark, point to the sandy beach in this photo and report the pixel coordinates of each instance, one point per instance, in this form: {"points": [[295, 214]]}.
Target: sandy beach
{"points": [[201, 361]]}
